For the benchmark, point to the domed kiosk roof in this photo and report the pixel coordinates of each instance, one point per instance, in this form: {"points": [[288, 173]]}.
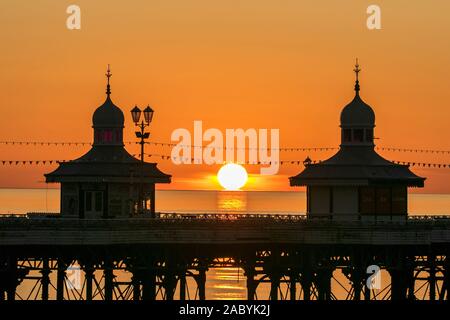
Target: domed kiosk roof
{"points": [[357, 163], [108, 115], [357, 114], [107, 162]]}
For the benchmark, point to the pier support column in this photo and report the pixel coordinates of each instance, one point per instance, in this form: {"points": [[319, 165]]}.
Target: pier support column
{"points": [[306, 282], [274, 272], [183, 285], [357, 278], [89, 276], [108, 274], [45, 279], [323, 281], [366, 293], [149, 284], [432, 276], [398, 284], [201, 282], [402, 275], [135, 280], [249, 272], [10, 277], [169, 284], [274, 285], [410, 284], [293, 286], [446, 283], [60, 279]]}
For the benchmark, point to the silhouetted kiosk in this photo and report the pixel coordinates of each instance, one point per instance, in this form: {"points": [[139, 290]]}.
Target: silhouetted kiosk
{"points": [[357, 183], [107, 182]]}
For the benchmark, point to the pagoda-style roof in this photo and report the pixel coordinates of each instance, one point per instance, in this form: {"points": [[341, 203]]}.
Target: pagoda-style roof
{"points": [[356, 163], [107, 164], [356, 166], [108, 161]]}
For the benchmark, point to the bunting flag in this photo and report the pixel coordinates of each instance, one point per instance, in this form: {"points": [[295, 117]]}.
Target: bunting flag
{"points": [[29, 162], [163, 144], [432, 151], [187, 160], [44, 143], [167, 144]]}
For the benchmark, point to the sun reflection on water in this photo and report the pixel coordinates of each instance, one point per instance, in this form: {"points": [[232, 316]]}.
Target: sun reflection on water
{"points": [[231, 201]]}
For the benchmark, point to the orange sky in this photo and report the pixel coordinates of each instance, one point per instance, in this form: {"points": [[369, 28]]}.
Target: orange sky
{"points": [[232, 64]]}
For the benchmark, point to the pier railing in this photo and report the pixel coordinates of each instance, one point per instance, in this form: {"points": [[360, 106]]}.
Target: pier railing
{"points": [[275, 217]]}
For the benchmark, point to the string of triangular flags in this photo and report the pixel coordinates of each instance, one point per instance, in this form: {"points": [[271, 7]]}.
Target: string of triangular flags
{"points": [[166, 144], [413, 150], [30, 162], [163, 144], [187, 160]]}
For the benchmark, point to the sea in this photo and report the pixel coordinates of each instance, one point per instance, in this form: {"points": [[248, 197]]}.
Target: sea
{"points": [[222, 283]]}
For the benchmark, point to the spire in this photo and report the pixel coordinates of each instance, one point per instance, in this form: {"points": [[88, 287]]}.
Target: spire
{"points": [[108, 87], [357, 70]]}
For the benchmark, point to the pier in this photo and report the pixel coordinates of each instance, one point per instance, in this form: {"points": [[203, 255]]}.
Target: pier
{"points": [[295, 255], [356, 242]]}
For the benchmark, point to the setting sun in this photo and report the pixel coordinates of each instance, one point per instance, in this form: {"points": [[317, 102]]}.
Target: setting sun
{"points": [[232, 176]]}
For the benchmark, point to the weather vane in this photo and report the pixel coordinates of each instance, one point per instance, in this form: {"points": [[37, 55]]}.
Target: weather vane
{"points": [[357, 70], [108, 75]]}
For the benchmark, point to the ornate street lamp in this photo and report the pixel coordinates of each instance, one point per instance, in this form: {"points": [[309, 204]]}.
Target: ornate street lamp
{"points": [[136, 114], [148, 117], [142, 135], [148, 114]]}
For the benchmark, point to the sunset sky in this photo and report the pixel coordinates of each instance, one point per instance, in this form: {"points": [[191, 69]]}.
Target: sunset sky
{"points": [[232, 64]]}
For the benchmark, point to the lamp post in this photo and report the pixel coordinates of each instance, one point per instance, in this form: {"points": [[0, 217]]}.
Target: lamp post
{"points": [[142, 135]]}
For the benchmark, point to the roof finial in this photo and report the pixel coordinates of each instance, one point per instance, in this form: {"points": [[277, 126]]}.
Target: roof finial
{"points": [[357, 70], [108, 75]]}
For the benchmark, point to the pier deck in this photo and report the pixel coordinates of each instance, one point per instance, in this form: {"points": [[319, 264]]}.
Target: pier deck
{"points": [[296, 255]]}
